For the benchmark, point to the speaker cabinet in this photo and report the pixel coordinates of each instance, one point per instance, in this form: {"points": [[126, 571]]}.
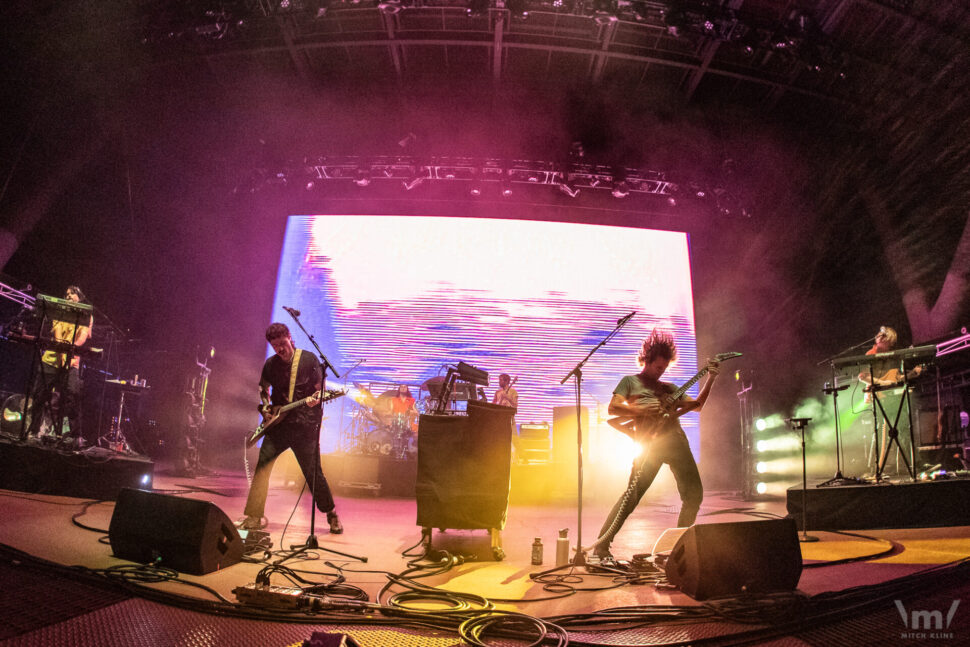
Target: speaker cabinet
{"points": [[724, 559], [189, 535], [463, 468]]}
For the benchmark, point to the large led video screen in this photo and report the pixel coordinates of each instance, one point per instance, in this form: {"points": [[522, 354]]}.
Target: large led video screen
{"points": [[397, 299]]}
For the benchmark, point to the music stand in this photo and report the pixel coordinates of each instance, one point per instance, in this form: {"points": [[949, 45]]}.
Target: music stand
{"points": [[799, 424]]}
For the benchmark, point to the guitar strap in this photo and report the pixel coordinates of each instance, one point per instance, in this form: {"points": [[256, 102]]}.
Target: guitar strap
{"points": [[293, 370]]}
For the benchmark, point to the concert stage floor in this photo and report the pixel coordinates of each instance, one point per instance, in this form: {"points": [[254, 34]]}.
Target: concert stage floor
{"points": [[46, 607]]}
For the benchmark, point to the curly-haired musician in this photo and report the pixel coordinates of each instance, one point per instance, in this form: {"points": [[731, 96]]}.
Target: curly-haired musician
{"points": [[643, 398]]}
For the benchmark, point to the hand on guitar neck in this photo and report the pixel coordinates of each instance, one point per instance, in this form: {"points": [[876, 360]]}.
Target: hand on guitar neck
{"points": [[645, 421], [272, 414]]}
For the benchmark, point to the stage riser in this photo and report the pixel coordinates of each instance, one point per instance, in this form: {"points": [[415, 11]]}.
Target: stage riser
{"points": [[864, 507], [41, 470], [350, 474]]}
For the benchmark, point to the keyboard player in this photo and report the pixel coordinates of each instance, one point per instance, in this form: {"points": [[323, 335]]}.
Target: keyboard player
{"points": [[58, 384]]}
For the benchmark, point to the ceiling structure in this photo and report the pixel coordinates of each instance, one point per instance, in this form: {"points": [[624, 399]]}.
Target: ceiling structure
{"points": [[842, 52]]}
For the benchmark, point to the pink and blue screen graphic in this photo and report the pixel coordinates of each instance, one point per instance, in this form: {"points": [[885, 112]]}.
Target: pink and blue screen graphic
{"points": [[403, 297]]}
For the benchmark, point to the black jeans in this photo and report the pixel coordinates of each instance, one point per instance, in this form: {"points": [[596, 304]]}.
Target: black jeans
{"points": [[670, 448], [303, 440]]}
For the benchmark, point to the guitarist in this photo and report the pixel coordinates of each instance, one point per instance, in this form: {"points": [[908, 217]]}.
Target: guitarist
{"points": [[290, 375], [640, 397]]}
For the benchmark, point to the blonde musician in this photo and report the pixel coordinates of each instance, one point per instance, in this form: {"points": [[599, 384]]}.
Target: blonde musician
{"points": [[887, 374]]}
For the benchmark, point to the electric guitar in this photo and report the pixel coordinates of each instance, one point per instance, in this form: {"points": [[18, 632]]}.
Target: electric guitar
{"points": [[275, 414], [668, 401]]}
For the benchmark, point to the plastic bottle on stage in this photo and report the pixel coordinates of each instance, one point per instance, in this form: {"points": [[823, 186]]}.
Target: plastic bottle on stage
{"points": [[537, 552], [562, 548]]}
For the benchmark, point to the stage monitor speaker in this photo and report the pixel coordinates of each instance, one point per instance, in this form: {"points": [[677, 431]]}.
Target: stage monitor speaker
{"points": [[725, 559], [188, 535]]}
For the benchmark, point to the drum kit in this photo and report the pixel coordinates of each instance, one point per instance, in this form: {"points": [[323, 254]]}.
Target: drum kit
{"points": [[380, 428], [387, 424]]}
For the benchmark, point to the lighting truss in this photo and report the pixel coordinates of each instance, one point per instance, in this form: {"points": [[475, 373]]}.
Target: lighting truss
{"points": [[591, 177]]}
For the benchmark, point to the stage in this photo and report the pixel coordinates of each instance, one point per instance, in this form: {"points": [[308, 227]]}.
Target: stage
{"points": [[48, 468], [891, 504], [47, 605]]}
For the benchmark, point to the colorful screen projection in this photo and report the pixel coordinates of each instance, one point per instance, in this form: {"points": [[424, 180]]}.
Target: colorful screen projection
{"points": [[397, 299]]}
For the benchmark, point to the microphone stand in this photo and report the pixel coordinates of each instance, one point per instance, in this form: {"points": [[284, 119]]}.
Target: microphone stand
{"points": [[579, 559], [799, 424], [311, 541], [832, 388]]}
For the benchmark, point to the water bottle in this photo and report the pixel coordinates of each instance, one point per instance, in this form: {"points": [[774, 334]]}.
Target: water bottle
{"points": [[537, 552], [562, 548]]}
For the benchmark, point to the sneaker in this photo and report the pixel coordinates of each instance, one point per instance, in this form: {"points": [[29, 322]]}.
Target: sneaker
{"points": [[336, 528], [253, 523]]}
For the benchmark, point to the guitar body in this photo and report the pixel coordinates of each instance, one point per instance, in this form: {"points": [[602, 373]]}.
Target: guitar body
{"points": [[277, 413], [649, 428]]}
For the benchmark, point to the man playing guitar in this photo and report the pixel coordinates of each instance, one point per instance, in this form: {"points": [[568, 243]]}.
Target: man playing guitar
{"points": [[645, 399], [292, 375]]}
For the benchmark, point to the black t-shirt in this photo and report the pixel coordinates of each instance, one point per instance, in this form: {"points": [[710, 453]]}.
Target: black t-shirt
{"points": [[276, 373]]}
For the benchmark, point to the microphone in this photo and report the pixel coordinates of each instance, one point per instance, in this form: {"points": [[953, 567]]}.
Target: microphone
{"points": [[292, 311], [623, 320]]}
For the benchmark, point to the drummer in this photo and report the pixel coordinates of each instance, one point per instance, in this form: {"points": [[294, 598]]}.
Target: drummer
{"points": [[403, 407]]}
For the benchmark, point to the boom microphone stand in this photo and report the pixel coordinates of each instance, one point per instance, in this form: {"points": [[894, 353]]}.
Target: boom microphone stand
{"points": [[311, 541], [580, 558]]}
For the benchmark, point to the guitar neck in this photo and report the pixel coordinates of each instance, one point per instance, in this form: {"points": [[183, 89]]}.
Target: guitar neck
{"points": [[679, 393]]}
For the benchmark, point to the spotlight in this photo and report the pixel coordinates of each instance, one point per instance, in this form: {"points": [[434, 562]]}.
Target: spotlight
{"points": [[476, 190], [309, 185], [761, 467], [760, 424], [761, 488], [362, 176], [146, 479], [761, 446]]}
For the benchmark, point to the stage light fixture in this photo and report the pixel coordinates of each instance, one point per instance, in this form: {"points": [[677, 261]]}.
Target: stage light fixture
{"points": [[760, 424], [761, 446], [621, 188], [568, 190], [478, 7], [362, 176], [761, 488], [761, 467]]}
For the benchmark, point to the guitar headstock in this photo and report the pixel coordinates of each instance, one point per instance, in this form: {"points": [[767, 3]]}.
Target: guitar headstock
{"points": [[723, 357]]}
